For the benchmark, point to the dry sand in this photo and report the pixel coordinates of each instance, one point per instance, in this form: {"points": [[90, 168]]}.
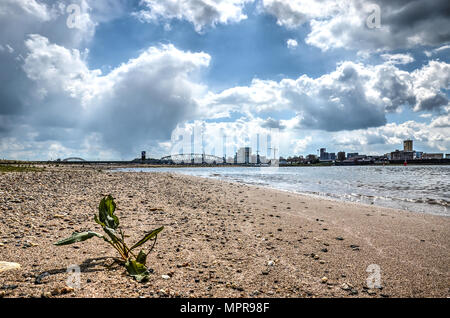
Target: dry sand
{"points": [[220, 239]]}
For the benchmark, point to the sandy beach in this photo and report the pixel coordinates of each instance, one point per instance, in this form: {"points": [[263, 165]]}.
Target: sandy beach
{"points": [[220, 239]]}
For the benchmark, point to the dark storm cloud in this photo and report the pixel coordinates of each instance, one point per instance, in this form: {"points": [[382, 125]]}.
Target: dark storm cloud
{"points": [[429, 19], [49, 96], [342, 24], [273, 123]]}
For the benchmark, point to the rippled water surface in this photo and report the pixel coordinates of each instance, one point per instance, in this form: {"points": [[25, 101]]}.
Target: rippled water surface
{"points": [[416, 188]]}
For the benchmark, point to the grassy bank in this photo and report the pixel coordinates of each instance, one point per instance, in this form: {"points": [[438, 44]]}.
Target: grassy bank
{"points": [[19, 168]]}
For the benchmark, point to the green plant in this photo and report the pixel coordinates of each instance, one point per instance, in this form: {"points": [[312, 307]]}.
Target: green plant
{"points": [[135, 264]]}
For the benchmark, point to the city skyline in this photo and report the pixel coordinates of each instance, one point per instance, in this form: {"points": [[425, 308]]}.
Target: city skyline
{"points": [[107, 79]]}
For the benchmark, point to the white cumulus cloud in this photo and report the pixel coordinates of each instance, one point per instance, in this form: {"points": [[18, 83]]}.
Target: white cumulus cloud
{"points": [[201, 13]]}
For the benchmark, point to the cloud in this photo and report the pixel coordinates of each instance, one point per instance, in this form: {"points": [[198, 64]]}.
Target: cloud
{"points": [[442, 122], [343, 23], [51, 98], [428, 84], [18, 19], [354, 96], [201, 13], [291, 43], [133, 106], [273, 123], [294, 13], [390, 137], [300, 145], [398, 58]]}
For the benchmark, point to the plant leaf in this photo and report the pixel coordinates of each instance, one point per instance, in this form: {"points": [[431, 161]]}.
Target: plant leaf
{"points": [[147, 237], [137, 270], [111, 233], [106, 215], [141, 258], [98, 221], [78, 237]]}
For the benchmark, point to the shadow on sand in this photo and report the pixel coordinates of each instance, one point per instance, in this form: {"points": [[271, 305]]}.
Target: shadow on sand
{"points": [[90, 265]]}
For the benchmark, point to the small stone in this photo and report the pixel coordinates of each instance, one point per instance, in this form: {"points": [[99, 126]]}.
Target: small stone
{"points": [[165, 277], [339, 238], [66, 290], [324, 279], [270, 263], [265, 272], [322, 261], [39, 278], [354, 292], [6, 266], [46, 295], [371, 292], [324, 250], [2, 294], [345, 286]]}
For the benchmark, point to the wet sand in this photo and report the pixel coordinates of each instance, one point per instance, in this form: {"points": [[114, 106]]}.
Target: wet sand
{"points": [[220, 239]]}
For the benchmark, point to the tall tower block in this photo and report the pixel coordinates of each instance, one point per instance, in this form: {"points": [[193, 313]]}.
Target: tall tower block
{"points": [[408, 145]]}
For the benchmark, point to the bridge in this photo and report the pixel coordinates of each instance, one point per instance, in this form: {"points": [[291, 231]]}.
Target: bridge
{"points": [[193, 158]]}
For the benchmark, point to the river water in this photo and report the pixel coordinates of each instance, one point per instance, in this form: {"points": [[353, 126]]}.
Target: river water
{"points": [[423, 189]]}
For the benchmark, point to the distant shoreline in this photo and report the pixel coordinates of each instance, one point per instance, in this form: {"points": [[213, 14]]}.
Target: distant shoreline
{"points": [[432, 162]]}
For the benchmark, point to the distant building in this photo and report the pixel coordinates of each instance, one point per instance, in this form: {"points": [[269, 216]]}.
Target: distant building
{"points": [[407, 145], [244, 155], [402, 155], [323, 152], [143, 155], [341, 155], [311, 158], [350, 155], [326, 156], [447, 156], [433, 156]]}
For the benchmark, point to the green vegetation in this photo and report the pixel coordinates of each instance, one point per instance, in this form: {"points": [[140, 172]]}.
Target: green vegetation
{"points": [[135, 265], [19, 168]]}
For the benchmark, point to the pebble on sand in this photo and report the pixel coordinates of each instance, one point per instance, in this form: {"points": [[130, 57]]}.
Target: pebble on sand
{"points": [[6, 266]]}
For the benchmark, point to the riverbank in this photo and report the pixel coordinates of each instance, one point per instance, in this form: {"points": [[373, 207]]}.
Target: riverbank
{"points": [[220, 239]]}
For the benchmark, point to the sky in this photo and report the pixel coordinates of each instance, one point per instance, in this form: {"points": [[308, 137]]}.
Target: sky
{"points": [[106, 79]]}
